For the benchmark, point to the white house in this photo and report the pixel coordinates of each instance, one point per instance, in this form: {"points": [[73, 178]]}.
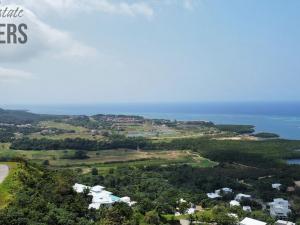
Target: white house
{"points": [[233, 215], [233, 203], [247, 209], [190, 211], [218, 193], [213, 195], [276, 186], [239, 197], [79, 188], [224, 190], [249, 221], [282, 222], [279, 208]]}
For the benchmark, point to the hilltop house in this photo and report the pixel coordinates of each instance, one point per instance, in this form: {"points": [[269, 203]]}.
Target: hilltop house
{"points": [[247, 209], [276, 186], [79, 188], [213, 195], [223, 190], [100, 196], [218, 193], [249, 221], [239, 197], [233, 203], [279, 208]]}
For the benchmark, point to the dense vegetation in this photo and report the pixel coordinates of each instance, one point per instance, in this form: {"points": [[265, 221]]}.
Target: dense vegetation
{"points": [[22, 117], [78, 144], [266, 135], [46, 196], [239, 129]]}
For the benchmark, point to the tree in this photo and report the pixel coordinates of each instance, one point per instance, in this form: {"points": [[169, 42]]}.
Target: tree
{"points": [[152, 218], [80, 155], [94, 171]]}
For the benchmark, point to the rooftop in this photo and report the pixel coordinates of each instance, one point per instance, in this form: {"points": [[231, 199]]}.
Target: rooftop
{"points": [[249, 221]]}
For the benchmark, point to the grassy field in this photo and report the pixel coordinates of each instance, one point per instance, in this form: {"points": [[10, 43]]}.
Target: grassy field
{"points": [[107, 159], [9, 184], [64, 126]]}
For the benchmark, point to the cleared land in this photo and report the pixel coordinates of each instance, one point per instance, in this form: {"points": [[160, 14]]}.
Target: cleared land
{"points": [[4, 170]]}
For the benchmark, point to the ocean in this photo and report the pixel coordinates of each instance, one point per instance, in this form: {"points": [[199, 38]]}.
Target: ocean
{"points": [[281, 118]]}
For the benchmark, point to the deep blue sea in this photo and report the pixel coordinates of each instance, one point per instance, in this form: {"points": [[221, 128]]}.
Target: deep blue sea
{"points": [[280, 118]]}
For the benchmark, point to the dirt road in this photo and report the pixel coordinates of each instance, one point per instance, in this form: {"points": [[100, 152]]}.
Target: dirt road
{"points": [[3, 172]]}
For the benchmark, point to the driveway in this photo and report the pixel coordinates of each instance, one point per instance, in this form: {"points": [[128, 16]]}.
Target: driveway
{"points": [[3, 172]]}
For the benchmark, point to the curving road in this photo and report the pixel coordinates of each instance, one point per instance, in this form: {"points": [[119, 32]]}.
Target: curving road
{"points": [[3, 172]]}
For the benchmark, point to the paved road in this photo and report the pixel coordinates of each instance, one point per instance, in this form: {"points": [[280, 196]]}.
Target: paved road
{"points": [[3, 172]]}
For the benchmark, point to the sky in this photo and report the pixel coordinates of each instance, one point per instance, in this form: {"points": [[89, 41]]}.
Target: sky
{"points": [[110, 51]]}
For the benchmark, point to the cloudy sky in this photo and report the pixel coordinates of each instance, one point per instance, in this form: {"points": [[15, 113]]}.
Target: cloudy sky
{"points": [[98, 51]]}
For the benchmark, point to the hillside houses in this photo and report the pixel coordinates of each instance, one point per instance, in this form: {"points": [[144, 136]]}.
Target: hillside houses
{"points": [[239, 197], [101, 196], [219, 193], [276, 186]]}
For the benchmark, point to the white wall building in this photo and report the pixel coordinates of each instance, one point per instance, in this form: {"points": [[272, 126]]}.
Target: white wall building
{"points": [[279, 208]]}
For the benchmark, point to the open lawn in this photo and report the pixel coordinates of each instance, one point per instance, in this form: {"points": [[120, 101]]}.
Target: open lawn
{"points": [[64, 126]]}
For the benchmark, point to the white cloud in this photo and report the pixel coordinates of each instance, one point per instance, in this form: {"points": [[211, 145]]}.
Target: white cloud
{"points": [[43, 39], [188, 4], [13, 75]]}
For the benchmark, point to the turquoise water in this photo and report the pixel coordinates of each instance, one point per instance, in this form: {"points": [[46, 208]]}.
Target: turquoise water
{"points": [[115, 198], [280, 118]]}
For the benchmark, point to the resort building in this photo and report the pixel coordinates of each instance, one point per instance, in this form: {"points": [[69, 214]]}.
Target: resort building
{"points": [[101, 196], [279, 208]]}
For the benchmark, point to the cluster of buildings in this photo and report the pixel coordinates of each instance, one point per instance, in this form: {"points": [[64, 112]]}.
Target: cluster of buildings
{"points": [[101, 196], [218, 193], [279, 208]]}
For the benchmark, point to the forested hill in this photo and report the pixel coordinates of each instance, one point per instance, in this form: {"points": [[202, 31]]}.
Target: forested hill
{"points": [[22, 117]]}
